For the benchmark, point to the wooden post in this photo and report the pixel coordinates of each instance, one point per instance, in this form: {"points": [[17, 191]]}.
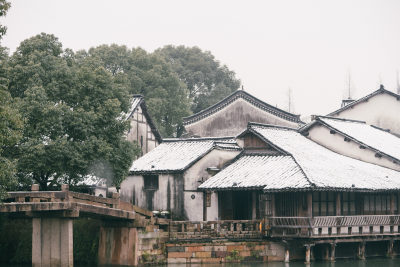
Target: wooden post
{"points": [[273, 202], [253, 205], [338, 204], [392, 204], [309, 204], [361, 251]]}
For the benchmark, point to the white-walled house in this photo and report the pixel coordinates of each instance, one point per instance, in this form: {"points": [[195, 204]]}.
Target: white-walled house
{"points": [[142, 128], [355, 139], [230, 116], [167, 178], [281, 173], [380, 108]]}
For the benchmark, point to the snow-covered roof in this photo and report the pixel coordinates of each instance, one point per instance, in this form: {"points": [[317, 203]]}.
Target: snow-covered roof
{"points": [[324, 169], [176, 155], [369, 136], [302, 165], [257, 171]]}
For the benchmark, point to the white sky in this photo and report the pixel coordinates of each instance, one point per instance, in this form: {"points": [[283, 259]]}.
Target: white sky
{"points": [[309, 46]]}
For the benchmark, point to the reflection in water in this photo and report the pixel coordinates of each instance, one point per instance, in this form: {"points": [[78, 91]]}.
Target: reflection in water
{"points": [[338, 263]]}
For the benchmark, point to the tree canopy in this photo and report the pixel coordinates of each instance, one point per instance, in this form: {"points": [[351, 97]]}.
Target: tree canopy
{"points": [[207, 81], [4, 7], [149, 75], [70, 106]]}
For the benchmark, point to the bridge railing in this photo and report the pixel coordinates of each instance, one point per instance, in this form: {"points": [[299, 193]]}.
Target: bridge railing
{"points": [[73, 197]]}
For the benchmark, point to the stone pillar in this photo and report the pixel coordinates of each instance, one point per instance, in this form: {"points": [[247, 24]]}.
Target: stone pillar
{"points": [[52, 242], [361, 251], [308, 253], [287, 255], [253, 205], [390, 252], [332, 252], [326, 252], [118, 246]]}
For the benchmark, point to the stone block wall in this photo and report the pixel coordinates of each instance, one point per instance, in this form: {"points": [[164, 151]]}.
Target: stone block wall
{"points": [[151, 246], [224, 251]]}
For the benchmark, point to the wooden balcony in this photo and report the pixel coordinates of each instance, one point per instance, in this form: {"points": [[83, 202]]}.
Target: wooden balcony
{"points": [[333, 226]]}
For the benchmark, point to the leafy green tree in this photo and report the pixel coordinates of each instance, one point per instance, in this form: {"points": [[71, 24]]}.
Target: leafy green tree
{"points": [[10, 129], [208, 82], [71, 107], [149, 75], [4, 7]]}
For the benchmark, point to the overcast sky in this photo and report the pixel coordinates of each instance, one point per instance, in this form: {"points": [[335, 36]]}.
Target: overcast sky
{"points": [[309, 46]]}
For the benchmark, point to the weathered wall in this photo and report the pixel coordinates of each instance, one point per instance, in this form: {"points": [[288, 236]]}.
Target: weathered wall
{"points": [[233, 119], [225, 251], [380, 110], [169, 195], [195, 176], [335, 142], [118, 246], [141, 132], [178, 192]]}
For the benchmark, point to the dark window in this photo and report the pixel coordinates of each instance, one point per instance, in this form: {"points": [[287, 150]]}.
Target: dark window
{"points": [[348, 203], [376, 204], [324, 204], [150, 182]]}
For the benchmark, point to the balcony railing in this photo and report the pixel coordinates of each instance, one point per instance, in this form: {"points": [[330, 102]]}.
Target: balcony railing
{"points": [[326, 226]]}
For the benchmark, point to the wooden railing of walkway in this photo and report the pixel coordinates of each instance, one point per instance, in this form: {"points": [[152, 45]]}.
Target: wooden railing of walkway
{"points": [[330, 226]]}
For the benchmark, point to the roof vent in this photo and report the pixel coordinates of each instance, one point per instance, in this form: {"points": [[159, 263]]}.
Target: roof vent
{"points": [[353, 185], [152, 166], [234, 184]]}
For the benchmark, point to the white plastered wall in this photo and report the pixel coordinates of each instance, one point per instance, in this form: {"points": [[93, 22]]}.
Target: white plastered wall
{"points": [[382, 110], [197, 174], [335, 142]]}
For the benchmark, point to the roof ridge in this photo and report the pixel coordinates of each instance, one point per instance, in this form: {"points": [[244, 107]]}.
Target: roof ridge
{"points": [[198, 139], [364, 98], [244, 95], [339, 119], [266, 125]]}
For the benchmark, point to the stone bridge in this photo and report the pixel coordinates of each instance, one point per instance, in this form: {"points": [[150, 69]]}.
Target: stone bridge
{"points": [[52, 214]]}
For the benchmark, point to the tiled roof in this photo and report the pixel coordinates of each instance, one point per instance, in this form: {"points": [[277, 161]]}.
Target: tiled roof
{"points": [[249, 98], [369, 136], [323, 168], [176, 155], [381, 90], [259, 171]]}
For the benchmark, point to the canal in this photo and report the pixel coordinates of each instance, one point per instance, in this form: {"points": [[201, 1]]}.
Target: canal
{"points": [[377, 262]]}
